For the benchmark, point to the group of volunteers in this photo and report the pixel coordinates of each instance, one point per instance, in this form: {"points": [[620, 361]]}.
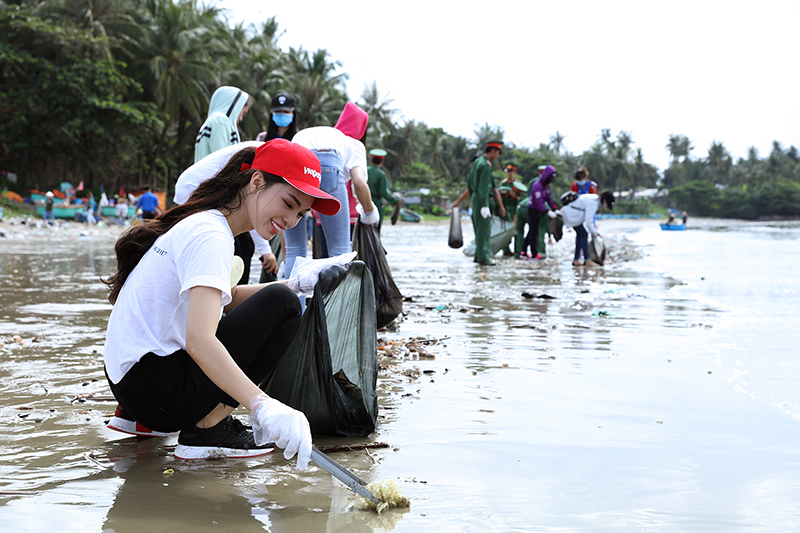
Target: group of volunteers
{"points": [[189, 339], [531, 204]]}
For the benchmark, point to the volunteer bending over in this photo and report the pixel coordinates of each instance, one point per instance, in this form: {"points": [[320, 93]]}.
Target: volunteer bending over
{"points": [[170, 360], [579, 214]]}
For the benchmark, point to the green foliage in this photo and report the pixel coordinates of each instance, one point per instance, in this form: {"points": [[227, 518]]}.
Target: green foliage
{"points": [[63, 99], [113, 92]]}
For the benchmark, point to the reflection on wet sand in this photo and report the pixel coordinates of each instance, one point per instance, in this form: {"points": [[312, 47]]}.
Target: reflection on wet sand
{"points": [[633, 398]]}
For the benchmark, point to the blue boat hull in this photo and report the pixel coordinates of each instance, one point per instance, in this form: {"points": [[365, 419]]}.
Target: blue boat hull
{"points": [[673, 227]]}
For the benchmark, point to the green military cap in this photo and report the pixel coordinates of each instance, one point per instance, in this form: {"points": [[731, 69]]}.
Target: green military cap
{"points": [[377, 152], [495, 144]]}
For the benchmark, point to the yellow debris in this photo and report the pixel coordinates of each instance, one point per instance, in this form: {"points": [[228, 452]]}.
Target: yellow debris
{"points": [[388, 493]]}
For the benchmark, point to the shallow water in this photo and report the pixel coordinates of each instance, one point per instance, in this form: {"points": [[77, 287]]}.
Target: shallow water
{"points": [[651, 395]]}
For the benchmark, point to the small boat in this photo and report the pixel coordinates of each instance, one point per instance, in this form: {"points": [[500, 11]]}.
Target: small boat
{"points": [[111, 211], [673, 227], [63, 212], [407, 215]]}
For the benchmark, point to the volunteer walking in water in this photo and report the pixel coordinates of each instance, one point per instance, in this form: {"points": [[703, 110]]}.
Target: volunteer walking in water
{"points": [[172, 363]]}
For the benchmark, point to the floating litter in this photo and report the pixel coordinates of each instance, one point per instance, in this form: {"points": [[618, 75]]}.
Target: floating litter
{"points": [[389, 495]]}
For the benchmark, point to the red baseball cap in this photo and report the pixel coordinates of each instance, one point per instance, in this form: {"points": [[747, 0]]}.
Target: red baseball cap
{"points": [[299, 167]]}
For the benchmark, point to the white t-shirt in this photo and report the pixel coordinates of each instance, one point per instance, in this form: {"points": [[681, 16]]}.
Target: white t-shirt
{"points": [[582, 211], [207, 168], [352, 151], [152, 308]]}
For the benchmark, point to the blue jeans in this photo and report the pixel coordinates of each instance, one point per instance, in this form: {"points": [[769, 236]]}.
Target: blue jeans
{"points": [[581, 243], [336, 227]]}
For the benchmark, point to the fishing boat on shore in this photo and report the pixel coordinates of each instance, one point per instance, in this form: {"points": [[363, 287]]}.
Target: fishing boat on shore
{"points": [[673, 227], [407, 215]]}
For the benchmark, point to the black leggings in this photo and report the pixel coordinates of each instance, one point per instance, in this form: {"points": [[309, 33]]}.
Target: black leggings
{"points": [[531, 240], [170, 393]]}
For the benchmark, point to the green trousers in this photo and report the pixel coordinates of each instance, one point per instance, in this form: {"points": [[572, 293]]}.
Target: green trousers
{"points": [[522, 219], [483, 230]]}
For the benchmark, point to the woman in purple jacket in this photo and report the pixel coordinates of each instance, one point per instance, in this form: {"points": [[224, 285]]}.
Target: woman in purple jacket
{"points": [[540, 198]]}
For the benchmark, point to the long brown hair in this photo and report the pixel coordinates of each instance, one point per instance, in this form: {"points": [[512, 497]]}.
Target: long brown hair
{"points": [[225, 192]]}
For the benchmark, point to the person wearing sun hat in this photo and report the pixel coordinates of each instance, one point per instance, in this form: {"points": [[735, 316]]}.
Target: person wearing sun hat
{"points": [[185, 345], [378, 183], [480, 185]]}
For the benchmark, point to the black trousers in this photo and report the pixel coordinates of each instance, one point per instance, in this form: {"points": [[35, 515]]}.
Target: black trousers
{"points": [[534, 218], [169, 393]]}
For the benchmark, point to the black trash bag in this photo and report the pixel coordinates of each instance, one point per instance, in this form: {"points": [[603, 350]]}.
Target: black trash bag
{"points": [[330, 371], [456, 239], [395, 214], [557, 227], [388, 300], [597, 250]]}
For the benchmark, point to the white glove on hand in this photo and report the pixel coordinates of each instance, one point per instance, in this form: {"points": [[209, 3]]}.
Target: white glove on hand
{"points": [[281, 271], [486, 212], [552, 214], [305, 272], [370, 218], [288, 428]]}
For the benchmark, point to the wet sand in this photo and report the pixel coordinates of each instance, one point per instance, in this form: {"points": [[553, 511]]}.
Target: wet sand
{"points": [[614, 405]]}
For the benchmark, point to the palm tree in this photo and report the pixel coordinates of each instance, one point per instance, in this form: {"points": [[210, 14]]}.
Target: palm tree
{"points": [[679, 146], [381, 116], [487, 133], [557, 142], [319, 90], [719, 161]]}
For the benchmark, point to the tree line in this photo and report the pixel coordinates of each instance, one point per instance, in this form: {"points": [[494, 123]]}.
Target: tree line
{"points": [[113, 92]]}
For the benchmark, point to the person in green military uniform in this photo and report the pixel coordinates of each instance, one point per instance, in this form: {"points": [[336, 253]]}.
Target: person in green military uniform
{"points": [[480, 184], [378, 183], [511, 190]]}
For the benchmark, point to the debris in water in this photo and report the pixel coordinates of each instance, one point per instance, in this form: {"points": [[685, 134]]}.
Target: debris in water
{"points": [[542, 296], [389, 495]]}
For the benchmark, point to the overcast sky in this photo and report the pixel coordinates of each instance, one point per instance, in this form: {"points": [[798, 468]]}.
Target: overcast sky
{"points": [[710, 70]]}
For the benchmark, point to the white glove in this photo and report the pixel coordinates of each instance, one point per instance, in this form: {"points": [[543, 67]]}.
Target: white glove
{"points": [[369, 218], [288, 428], [305, 272], [281, 271], [486, 212], [552, 214]]}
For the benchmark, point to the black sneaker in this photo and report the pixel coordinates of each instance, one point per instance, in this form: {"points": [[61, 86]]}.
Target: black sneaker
{"points": [[124, 422], [229, 438]]}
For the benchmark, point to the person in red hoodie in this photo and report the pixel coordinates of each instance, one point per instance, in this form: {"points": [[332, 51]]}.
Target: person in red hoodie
{"points": [[343, 158]]}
